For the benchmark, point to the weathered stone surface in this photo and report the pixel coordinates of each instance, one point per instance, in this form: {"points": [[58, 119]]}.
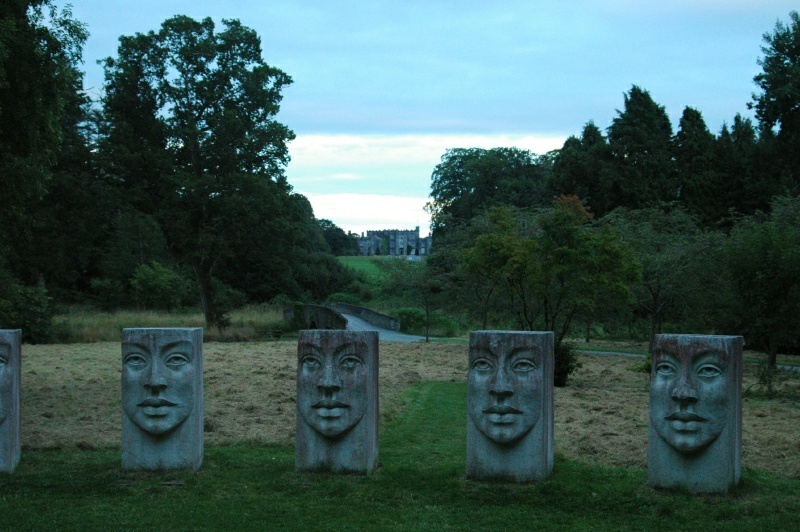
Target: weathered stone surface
{"points": [[10, 365], [510, 406], [695, 436], [337, 401], [162, 398]]}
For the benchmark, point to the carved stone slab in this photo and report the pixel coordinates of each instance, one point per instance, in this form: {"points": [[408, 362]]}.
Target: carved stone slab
{"points": [[337, 401], [162, 398], [510, 406], [695, 436], [10, 364]]}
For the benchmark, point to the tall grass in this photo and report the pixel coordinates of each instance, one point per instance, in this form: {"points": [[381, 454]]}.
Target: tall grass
{"points": [[255, 322]]}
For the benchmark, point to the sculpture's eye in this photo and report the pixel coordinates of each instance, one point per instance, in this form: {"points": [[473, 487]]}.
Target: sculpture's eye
{"points": [[523, 366], [350, 361], [708, 371], [666, 370], [176, 360], [482, 364], [310, 362], [135, 360]]}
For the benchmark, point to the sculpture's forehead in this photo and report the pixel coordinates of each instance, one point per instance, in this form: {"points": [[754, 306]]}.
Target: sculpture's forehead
{"points": [[502, 346], [689, 348], [156, 340], [327, 345]]}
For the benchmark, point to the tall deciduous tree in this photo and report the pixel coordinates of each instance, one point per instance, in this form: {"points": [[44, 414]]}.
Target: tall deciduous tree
{"points": [[190, 130], [469, 181], [40, 47], [673, 252], [762, 262], [338, 241], [554, 266]]}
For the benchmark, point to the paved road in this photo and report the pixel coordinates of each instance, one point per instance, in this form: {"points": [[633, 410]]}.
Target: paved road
{"points": [[385, 335]]}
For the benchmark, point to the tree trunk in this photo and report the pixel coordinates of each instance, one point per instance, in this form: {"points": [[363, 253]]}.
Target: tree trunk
{"points": [[653, 327], [427, 323], [772, 359], [214, 314]]}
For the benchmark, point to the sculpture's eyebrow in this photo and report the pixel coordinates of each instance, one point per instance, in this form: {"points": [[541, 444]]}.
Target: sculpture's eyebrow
{"points": [[306, 346], [521, 351], [355, 347], [485, 351], [135, 346], [183, 345], [716, 353]]}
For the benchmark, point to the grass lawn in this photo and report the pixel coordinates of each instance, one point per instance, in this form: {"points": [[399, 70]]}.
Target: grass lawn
{"points": [[366, 265], [70, 478], [420, 485]]}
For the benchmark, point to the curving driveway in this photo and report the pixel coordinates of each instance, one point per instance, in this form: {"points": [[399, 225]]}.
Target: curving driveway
{"points": [[384, 335]]}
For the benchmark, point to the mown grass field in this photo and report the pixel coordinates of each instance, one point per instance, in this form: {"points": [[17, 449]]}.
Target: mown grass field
{"points": [[368, 266], [70, 476]]}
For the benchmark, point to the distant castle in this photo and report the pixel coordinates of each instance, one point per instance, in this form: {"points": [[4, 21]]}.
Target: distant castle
{"points": [[394, 242]]}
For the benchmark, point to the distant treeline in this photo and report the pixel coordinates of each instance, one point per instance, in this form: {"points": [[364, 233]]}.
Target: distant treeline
{"points": [[638, 229]]}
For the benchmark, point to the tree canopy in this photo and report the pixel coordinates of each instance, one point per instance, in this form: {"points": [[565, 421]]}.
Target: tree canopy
{"points": [[469, 181], [190, 136]]}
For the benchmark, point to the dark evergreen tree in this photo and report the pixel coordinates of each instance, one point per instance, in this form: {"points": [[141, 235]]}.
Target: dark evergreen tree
{"points": [[583, 168], [777, 106], [699, 180], [643, 168]]}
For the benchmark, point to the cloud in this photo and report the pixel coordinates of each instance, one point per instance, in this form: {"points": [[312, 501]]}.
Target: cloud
{"points": [[399, 165], [363, 182], [363, 212]]}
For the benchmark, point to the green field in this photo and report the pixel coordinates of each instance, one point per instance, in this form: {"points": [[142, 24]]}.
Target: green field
{"points": [[367, 266], [420, 485]]}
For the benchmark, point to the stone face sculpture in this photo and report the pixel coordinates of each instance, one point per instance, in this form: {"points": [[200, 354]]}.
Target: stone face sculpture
{"points": [[10, 364], [162, 398], [337, 401], [510, 406], [695, 436]]}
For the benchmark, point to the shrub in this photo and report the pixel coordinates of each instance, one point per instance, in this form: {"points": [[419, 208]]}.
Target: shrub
{"points": [[158, 287], [566, 363], [443, 325], [26, 308], [411, 319]]}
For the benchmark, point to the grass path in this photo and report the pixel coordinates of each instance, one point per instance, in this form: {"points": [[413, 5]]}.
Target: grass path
{"points": [[420, 486]]}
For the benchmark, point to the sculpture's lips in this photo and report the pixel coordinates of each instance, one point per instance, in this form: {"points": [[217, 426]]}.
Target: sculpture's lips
{"points": [[684, 416], [330, 403], [156, 402], [502, 409]]}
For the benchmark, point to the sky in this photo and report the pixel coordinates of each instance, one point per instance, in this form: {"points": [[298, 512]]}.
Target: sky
{"points": [[383, 88]]}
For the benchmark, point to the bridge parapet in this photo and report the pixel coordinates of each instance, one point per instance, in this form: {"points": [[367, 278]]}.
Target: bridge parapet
{"points": [[370, 316]]}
